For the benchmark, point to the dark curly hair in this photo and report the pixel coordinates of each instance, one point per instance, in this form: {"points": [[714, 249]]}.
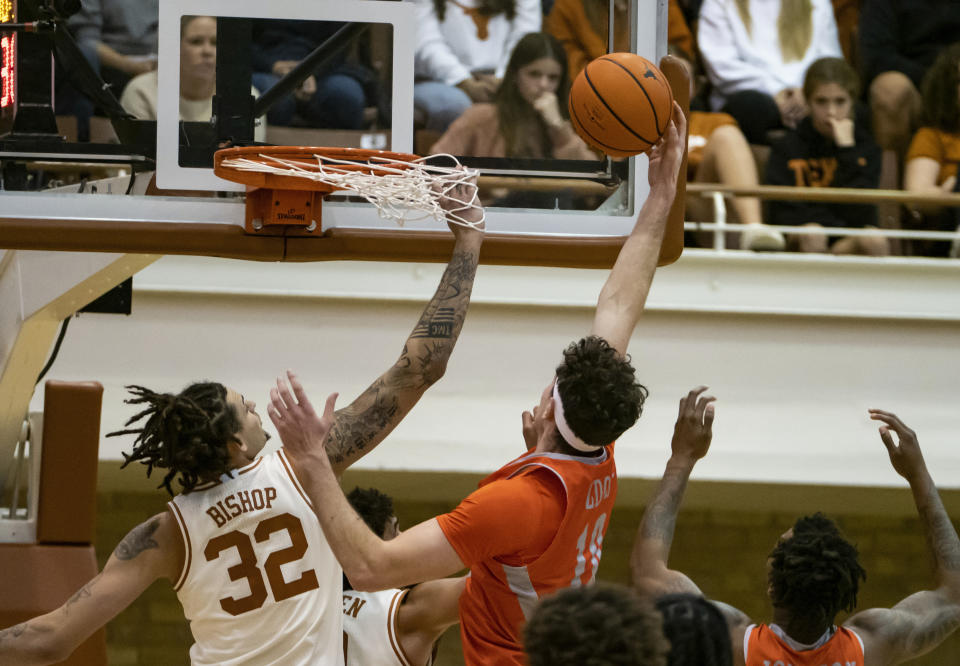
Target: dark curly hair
{"points": [[697, 631], [816, 572], [375, 507], [186, 433], [598, 625], [600, 393], [941, 108]]}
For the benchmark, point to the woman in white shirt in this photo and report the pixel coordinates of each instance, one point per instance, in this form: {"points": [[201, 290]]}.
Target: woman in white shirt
{"points": [[756, 53]]}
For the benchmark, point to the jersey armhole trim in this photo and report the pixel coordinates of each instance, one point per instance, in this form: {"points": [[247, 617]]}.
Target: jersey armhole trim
{"points": [[293, 477], [187, 550], [746, 640], [859, 640], [393, 630]]}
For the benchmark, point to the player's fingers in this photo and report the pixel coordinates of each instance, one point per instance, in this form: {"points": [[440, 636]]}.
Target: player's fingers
{"points": [[300, 394], [887, 440], [284, 390], [274, 416], [702, 404], [330, 407], [708, 415], [275, 401]]}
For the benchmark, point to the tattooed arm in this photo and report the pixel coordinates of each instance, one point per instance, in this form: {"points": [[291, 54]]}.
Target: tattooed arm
{"points": [[923, 620], [366, 422], [624, 294], [151, 550], [649, 570]]}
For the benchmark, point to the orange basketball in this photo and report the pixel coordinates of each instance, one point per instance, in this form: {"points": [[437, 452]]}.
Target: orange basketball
{"points": [[620, 104]]}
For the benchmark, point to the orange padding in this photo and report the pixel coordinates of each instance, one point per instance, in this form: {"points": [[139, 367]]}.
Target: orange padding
{"points": [[68, 466], [37, 579]]}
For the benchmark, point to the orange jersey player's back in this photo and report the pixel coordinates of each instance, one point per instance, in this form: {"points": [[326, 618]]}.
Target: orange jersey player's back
{"points": [[502, 590], [765, 646]]}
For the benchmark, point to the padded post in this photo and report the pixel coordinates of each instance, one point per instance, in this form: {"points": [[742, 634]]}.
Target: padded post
{"points": [[679, 80], [68, 465]]}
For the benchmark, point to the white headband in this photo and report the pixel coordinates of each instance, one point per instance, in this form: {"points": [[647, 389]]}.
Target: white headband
{"points": [[564, 428]]}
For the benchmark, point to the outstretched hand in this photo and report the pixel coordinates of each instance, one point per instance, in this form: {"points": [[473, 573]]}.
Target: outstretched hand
{"points": [[302, 432], [667, 154], [694, 428], [905, 455]]}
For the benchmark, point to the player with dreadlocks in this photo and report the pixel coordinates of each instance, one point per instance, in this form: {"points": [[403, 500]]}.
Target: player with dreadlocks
{"points": [[814, 572], [241, 543]]}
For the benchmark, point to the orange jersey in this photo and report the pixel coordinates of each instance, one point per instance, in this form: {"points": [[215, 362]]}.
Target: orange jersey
{"points": [[504, 588], [763, 647]]}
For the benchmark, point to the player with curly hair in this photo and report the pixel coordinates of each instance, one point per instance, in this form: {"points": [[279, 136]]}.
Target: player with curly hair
{"points": [[599, 624], [240, 542], [814, 572], [537, 524]]}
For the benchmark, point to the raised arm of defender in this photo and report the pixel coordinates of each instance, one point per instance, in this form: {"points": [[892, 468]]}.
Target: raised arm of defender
{"points": [[625, 292], [923, 620], [366, 422]]}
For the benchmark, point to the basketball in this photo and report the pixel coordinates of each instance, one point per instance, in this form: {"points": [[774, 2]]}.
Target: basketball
{"points": [[620, 104]]}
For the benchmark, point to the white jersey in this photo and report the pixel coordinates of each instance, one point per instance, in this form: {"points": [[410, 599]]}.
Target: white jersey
{"points": [[259, 583], [370, 634]]}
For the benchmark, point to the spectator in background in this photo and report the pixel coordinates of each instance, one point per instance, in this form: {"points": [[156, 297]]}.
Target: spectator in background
{"points": [[198, 77], [935, 150], [828, 149], [119, 40], [462, 53], [756, 70], [334, 98], [582, 27], [118, 37], [528, 116], [899, 40], [599, 624]]}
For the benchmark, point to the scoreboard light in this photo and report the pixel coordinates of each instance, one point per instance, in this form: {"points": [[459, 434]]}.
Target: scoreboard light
{"points": [[8, 57]]}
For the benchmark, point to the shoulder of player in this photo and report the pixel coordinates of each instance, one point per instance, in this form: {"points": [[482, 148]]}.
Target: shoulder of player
{"points": [[154, 544]]}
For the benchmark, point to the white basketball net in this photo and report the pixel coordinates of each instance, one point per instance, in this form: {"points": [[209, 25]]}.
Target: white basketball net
{"points": [[414, 192]]}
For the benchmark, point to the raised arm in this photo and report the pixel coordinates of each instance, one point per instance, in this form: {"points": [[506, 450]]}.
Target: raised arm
{"points": [[149, 551], [365, 422], [923, 620], [625, 291], [650, 573], [651, 548]]}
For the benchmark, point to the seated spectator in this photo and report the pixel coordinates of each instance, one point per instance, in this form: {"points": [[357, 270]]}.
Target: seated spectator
{"points": [[899, 40], [462, 53], [757, 71], [600, 624], [119, 39], [935, 150], [198, 77], [528, 117], [334, 99], [582, 27], [828, 149], [718, 151]]}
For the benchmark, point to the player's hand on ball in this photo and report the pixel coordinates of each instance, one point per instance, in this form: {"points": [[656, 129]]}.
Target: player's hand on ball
{"points": [[301, 430], [667, 154]]}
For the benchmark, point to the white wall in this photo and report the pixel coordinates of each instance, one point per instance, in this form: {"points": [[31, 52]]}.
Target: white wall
{"points": [[793, 389]]}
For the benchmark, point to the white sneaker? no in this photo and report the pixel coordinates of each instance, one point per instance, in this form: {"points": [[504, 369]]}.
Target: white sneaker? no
{"points": [[761, 238]]}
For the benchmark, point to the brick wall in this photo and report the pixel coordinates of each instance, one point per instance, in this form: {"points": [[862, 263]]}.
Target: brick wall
{"points": [[722, 549]]}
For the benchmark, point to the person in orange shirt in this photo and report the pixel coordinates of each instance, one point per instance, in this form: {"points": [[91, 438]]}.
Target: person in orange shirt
{"points": [[814, 573], [536, 525]]}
